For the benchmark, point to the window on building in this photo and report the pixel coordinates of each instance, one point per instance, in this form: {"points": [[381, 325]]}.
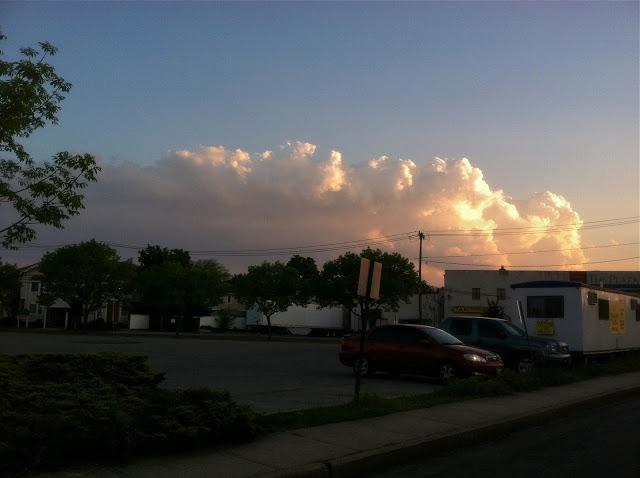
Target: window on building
{"points": [[603, 309], [460, 327], [592, 298], [501, 293], [33, 308], [475, 293], [35, 286], [545, 306]]}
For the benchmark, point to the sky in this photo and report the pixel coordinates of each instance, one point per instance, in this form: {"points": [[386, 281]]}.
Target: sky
{"points": [[541, 98]]}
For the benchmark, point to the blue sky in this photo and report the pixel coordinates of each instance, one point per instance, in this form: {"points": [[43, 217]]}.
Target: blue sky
{"points": [[538, 95]]}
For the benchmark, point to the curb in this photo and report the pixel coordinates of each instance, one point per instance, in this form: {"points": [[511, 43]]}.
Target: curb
{"points": [[365, 462], [239, 338]]}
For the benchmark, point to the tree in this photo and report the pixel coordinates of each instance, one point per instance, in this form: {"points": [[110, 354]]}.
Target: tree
{"points": [[35, 193], [207, 283], [494, 309], [170, 284], [307, 280], [84, 275], [155, 255], [269, 286], [338, 284], [9, 290]]}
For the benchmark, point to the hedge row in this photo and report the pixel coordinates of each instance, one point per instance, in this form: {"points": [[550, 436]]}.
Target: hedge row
{"points": [[63, 408]]}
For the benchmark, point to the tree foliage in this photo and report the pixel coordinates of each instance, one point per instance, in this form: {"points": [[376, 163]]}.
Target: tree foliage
{"points": [[35, 193], [170, 284], [494, 309], [9, 290], [85, 276], [338, 284], [272, 287], [307, 279]]}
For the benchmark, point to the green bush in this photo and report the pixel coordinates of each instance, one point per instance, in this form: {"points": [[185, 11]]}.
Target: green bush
{"points": [[56, 409], [224, 319]]}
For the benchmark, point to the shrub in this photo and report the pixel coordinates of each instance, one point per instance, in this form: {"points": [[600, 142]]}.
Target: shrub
{"points": [[224, 320], [56, 409]]}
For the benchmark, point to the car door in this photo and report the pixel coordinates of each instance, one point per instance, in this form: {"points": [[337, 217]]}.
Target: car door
{"points": [[416, 354], [381, 348], [492, 336]]}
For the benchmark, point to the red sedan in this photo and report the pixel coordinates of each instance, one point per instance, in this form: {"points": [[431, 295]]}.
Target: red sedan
{"points": [[417, 349]]}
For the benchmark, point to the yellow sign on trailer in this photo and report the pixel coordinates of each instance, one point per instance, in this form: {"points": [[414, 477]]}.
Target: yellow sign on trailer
{"points": [[617, 324]]}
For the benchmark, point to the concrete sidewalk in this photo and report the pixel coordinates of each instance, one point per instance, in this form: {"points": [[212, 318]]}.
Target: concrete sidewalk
{"points": [[355, 447]]}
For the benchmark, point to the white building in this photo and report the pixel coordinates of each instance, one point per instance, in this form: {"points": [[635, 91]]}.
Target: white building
{"points": [[32, 313], [467, 292]]}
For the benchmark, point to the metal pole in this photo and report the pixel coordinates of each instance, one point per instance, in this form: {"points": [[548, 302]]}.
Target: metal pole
{"points": [[421, 236], [363, 331]]}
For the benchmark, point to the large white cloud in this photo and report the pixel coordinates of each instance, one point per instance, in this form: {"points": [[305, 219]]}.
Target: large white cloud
{"points": [[218, 198]]}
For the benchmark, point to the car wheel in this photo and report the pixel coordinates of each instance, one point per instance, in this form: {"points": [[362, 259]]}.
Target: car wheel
{"points": [[448, 372], [362, 366], [525, 365]]}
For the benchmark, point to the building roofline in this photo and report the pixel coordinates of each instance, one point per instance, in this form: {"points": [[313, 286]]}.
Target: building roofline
{"points": [[552, 284]]}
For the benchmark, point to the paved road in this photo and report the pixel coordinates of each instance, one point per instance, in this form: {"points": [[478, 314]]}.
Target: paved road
{"points": [[268, 376], [600, 443]]}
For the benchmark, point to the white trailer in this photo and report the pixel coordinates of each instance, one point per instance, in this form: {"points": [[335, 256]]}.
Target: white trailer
{"points": [[302, 320], [591, 320]]}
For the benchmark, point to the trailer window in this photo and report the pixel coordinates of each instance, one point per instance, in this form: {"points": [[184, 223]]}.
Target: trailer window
{"points": [[592, 298], [547, 307], [475, 293], [603, 309]]}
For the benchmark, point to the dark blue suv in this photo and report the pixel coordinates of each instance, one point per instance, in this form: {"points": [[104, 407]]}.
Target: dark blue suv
{"points": [[510, 342]]}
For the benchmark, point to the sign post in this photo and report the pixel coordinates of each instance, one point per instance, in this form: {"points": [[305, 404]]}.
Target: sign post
{"points": [[369, 288]]}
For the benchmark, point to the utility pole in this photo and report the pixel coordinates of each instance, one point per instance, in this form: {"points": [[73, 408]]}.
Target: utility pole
{"points": [[421, 237]]}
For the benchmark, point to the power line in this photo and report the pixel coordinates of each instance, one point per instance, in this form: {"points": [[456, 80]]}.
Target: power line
{"points": [[513, 266], [578, 224], [316, 248], [548, 230], [540, 251]]}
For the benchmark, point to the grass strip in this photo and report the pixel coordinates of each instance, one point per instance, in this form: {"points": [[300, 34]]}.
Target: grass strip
{"points": [[371, 405]]}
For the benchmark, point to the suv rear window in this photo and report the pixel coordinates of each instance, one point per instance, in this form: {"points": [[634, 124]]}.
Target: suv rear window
{"points": [[488, 328], [460, 327]]}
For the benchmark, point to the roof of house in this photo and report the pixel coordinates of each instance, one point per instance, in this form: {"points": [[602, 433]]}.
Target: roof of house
{"points": [[551, 284]]}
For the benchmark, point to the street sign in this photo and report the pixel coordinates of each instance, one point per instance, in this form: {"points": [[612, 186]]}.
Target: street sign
{"points": [[366, 274], [374, 293]]}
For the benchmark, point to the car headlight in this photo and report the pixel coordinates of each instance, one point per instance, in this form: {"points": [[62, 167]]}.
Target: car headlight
{"points": [[475, 358], [553, 348]]}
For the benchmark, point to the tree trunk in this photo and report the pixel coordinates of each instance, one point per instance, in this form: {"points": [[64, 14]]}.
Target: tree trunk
{"points": [[269, 327], [178, 325]]}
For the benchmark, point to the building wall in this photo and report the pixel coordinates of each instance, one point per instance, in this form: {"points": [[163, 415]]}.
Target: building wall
{"points": [[459, 285]]}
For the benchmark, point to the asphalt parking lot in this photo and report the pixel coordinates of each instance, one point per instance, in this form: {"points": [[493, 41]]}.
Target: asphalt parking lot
{"points": [[270, 377]]}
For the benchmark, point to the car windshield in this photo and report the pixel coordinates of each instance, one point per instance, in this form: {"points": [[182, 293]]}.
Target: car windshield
{"points": [[441, 337], [513, 330]]}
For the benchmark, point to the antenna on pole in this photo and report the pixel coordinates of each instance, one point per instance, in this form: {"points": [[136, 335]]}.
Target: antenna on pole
{"points": [[421, 237]]}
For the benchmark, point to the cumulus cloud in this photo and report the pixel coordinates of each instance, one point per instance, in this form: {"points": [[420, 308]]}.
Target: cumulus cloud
{"points": [[213, 198]]}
